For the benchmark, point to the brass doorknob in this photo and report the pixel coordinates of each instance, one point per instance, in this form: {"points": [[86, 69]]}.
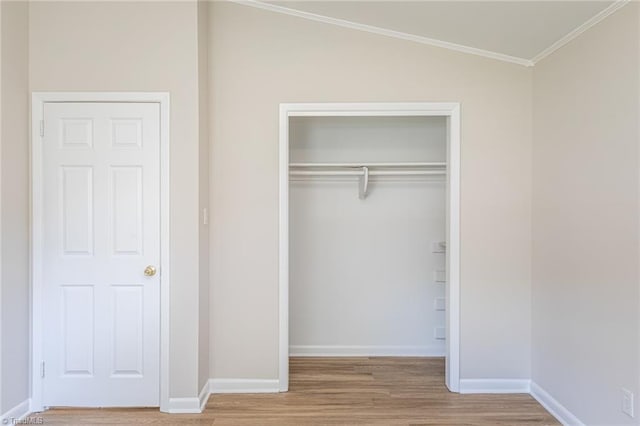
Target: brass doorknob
{"points": [[150, 271]]}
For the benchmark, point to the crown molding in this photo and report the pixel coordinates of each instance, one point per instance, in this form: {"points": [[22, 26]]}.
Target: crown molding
{"points": [[385, 32], [618, 4]]}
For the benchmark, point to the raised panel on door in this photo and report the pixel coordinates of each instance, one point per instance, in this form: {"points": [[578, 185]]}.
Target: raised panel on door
{"points": [[101, 202], [125, 206], [127, 358], [77, 343], [76, 133], [76, 204]]}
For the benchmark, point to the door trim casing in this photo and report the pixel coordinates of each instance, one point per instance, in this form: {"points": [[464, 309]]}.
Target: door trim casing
{"points": [[38, 100], [449, 110]]}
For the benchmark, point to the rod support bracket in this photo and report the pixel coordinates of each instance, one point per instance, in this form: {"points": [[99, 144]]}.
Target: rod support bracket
{"points": [[364, 183]]}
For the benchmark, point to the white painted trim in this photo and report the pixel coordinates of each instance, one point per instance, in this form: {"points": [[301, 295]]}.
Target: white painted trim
{"points": [[370, 109], [204, 395], [191, 405], [17, 413], [37, 107], [556, 409], [38, 100], [216, 386], [184, 406], [495, 385], [283, 254], [244, 386], [385, 32], [449, 110], [165, 247], [454, 155], [615, 6], [354, 351]]}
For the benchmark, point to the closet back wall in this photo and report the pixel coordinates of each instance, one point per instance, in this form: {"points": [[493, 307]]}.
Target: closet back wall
{"points": [[260, 59], [363, 272]]}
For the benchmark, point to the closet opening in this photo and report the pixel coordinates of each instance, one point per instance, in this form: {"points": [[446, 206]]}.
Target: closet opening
{"points": [[369, 232]]}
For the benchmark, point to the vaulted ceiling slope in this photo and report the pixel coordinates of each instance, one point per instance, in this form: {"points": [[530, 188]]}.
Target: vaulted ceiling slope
{"points": [[516, 31]]}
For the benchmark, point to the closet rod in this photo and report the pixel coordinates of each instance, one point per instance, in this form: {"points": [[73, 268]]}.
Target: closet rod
{"points": [[371, 172], [328, 165]]}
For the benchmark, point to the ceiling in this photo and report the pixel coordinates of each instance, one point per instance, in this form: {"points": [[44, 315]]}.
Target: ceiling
{"points": [[522, 30]]}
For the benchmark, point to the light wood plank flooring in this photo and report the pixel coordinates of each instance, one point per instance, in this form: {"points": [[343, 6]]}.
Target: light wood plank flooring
{"points": [[340, 391]]}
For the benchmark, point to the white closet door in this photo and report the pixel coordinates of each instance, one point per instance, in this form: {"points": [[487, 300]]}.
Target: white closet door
{"points": [[101, 169]]}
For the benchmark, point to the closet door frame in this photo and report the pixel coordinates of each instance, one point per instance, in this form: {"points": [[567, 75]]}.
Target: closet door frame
{"points": [[450, 110]]}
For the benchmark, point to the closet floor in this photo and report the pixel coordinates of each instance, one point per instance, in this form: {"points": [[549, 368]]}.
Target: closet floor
{"points": [[340, 391]]}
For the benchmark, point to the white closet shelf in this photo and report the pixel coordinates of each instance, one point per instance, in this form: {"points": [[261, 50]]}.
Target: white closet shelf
{"points": [[364, 170], [370, 165]]}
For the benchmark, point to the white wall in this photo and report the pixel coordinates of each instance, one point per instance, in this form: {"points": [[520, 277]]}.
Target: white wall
{"points": [[139, 46], [586, 299], [582, 125], [260, 59], [14, 200], [363, 272]]}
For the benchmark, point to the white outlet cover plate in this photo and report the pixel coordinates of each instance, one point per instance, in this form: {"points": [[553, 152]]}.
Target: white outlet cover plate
{"points": [[627, 402]]}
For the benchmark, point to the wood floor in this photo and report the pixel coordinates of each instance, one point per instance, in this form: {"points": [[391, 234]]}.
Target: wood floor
{"points": [[340, 391]]}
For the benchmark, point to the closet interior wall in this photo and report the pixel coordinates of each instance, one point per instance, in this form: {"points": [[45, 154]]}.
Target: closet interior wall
{"points": [[367, 274]]}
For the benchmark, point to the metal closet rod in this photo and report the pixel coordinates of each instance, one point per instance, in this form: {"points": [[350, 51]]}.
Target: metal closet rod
{"points": [[359, 169], [361, 172]]}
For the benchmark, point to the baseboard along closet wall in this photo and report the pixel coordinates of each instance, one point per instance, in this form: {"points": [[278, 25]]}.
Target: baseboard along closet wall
{"points": [[367, 232]]}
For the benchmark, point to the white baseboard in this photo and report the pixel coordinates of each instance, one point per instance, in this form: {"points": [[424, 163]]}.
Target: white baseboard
{"points": [[184, 405], [349, 351], [204, 395], [244, 386], [17, 413], [556, 409], [495, 385]]}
